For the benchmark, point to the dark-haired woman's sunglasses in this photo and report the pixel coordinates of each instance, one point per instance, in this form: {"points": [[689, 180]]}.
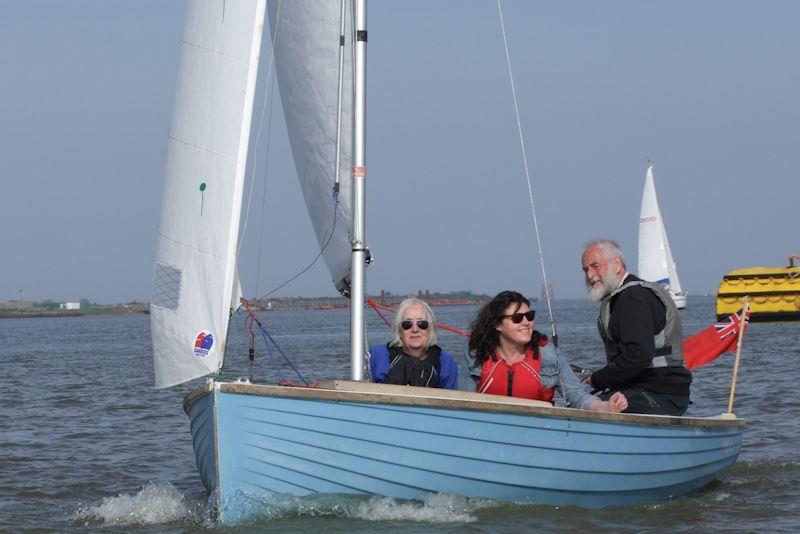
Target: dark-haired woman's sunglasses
{"points": [[423, 325], [516, 318]]}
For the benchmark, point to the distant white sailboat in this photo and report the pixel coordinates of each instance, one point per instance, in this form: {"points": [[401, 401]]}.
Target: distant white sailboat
{"points": [[655, 257]]}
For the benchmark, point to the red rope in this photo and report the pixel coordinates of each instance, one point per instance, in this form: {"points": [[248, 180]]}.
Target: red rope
{"points": [[246, 307], [375, 307], [250, 316]]}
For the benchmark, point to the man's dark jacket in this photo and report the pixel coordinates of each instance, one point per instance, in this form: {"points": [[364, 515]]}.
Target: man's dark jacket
{"points": [[637, 315]]}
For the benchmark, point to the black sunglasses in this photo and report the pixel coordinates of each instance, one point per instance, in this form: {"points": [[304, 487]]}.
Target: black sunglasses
{"points": [[422, 324], [516, 318]]}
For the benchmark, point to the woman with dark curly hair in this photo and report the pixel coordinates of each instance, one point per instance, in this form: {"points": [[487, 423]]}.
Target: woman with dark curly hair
{"points": [[517, 361]]}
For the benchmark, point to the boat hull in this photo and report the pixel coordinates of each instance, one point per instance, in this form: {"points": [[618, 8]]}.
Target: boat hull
{"points": [[679, 299], [333, 441]]}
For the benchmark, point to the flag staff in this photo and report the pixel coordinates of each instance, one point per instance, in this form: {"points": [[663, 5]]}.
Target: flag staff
{"points": [[729, 414]]}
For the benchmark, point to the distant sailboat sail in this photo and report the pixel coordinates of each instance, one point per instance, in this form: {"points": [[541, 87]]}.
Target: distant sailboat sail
{"points": [[306, 58], [195, 280], [655, 257]]}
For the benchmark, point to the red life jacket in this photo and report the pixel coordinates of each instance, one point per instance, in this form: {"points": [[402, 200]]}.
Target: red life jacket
{"points": [[521, 379]]}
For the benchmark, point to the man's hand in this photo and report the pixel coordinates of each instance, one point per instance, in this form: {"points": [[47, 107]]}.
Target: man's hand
{"points": [[618, 402]]}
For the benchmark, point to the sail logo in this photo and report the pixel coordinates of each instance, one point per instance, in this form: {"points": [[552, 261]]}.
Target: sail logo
{"points": [[203, 344], [647, 219]]}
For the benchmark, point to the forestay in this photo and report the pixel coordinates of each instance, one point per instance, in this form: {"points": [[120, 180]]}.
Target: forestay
{"points": [[306, 36], [195, 281]]}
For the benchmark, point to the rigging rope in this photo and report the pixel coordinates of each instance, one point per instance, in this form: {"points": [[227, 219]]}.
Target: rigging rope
{"points": [[527, 175], [267, 97], [264, 191], [310, 265], [375, 306], [248, 323], [269, 339]]}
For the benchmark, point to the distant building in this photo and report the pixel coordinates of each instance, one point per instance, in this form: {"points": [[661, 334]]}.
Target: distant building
{"points": [[70, 306]]}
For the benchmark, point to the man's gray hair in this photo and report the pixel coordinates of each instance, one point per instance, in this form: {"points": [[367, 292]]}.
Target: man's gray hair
{"points": [[398, 318], [609, 247]]}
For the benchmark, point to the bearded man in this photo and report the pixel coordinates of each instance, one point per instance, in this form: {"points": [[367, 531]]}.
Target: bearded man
{"points": [[642, 333]]}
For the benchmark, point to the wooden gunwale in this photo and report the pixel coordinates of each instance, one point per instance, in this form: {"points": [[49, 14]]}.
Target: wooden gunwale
{"points": [[366, 392]]}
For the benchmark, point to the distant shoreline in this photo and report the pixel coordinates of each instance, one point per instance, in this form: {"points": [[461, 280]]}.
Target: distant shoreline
{"points": [[281, 303], [23, 315], [38, 314]]}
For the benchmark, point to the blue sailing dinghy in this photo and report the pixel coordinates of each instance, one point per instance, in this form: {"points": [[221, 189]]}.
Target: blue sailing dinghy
{"points": [[354, 437], [254, 440]]}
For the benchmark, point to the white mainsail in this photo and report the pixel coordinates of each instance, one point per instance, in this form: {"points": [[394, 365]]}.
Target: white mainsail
{"points": [[655, 257], [195, 272], [306, 36]]}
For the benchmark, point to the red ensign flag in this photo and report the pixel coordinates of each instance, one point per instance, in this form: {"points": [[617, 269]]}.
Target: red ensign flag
{"points": [[706, 345]]}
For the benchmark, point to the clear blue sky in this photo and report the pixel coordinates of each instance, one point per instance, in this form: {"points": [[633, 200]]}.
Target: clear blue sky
{"points": [[707, 90]]}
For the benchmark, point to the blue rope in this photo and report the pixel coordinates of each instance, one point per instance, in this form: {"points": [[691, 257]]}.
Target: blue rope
{"points": [[272, 357], [267, 340]]}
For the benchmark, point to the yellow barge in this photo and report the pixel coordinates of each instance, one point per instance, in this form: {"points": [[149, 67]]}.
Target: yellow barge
{"points": [[774, 292]]}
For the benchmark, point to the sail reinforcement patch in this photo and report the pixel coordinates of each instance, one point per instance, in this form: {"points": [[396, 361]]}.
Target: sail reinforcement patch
{"points": [[166, 286]]}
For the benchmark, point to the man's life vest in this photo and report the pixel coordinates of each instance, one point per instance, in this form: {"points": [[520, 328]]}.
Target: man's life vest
{"points": [[668, 341], [522, 379]]}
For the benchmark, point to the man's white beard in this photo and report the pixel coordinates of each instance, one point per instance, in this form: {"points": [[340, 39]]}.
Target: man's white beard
{"points": [[597, 292]]}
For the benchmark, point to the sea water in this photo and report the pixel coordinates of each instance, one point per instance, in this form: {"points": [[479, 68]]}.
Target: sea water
{"points": [[87, 444]]}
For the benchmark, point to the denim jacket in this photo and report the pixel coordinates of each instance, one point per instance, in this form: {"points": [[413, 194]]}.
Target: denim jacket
{"points": [[576, 393]]}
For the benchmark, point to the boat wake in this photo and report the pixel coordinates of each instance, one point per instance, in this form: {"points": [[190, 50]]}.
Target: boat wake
{"points": [[439, 508], [436, 508], [155, 504], [158, 504]]}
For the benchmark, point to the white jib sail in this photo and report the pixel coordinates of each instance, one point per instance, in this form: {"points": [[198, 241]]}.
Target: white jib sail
{"points": [[306, 36], [195, 270], [655, 258]]}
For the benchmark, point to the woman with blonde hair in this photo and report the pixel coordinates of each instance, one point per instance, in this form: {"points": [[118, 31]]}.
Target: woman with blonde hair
{"points": [[413, 358]]}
